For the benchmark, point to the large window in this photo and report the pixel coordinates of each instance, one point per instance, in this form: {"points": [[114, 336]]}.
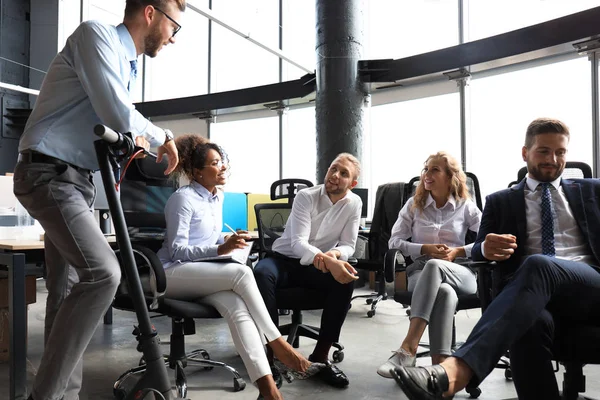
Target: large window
{"points": [[397, 29], [299, 144], [181, 69], [299, 37], [252, 146], [236, 62], [502, 107], [404, 134], [489, 18]]}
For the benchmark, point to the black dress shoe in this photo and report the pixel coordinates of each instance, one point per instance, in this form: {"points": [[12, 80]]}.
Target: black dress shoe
{"points": [[422, 383], [333, 376]]}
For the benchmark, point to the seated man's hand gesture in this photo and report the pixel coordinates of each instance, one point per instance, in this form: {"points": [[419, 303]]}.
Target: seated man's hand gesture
{"points": [[499, 247]]}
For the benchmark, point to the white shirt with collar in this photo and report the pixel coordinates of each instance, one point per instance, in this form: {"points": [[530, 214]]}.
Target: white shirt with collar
{"points": [[446, 225], [569, 243], [317, 225], [194, 219]]}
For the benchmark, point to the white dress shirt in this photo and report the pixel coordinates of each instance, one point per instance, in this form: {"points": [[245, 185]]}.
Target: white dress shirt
{"points": [[194, 223], [446, 225], [569, 243], [86, 84], [317, 225]]}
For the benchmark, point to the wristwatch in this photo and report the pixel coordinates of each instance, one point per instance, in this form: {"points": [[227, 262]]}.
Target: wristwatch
{"points": [[168, 135]]}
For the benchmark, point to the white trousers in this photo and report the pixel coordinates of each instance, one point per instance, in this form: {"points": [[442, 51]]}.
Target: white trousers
{"points": [[232, 290]]}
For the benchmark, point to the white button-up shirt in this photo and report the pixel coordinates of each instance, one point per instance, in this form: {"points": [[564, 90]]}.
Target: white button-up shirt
{"points": [[86, 84], [446, 225], [317, 225], [568, 240], [194, 219]]}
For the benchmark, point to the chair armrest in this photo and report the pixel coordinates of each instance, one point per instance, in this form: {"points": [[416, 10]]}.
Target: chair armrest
{"points": [[352, 261], [392, 262], [485, 288]]}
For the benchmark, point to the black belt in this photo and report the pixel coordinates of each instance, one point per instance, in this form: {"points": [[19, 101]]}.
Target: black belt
{"points": [[30, 156]]}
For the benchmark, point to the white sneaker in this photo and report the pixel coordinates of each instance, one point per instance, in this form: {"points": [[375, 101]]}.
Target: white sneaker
{"points": [[400, 358]]}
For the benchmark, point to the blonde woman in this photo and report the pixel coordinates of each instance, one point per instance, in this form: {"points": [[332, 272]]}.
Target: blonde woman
{"points": [[431, 229]]}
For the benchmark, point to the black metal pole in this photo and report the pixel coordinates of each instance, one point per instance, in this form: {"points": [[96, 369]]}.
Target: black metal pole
{"points": [[340, 94], [156, 372]]}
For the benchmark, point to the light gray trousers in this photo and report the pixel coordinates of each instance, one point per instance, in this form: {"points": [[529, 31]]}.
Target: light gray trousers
{"points": [[61, 199], [435, 294], [231, 289]]}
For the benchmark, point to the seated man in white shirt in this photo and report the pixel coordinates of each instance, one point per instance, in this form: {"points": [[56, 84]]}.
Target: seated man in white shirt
{"points": [[319, 236]]}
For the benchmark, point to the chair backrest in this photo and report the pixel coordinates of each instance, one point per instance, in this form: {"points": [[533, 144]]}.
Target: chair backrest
{"points": [[271, 219], [288, 188], [472, 184], [573, 169], [389, 199], [145, 191]]}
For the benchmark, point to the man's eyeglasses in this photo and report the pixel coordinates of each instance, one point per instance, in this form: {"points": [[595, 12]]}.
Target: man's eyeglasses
{"points": [[218, 164], [177, 26]]}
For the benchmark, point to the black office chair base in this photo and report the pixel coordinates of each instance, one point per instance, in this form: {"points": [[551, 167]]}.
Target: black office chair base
{"points": [[372, 299], [198, 357]]}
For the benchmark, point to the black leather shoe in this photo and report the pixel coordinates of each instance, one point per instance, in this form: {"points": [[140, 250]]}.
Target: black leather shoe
{"points": [[333, 376], [422, 383]]}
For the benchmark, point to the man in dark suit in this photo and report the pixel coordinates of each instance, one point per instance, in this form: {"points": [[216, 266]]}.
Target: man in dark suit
{"points": [[545, 235]]}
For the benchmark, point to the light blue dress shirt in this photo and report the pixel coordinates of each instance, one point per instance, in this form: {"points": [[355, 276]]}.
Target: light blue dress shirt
{"points": [[194, 223], [86, 84]]}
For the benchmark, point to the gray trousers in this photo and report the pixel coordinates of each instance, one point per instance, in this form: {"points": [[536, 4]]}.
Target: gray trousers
{"points": [[82, 270], [435, 294]]}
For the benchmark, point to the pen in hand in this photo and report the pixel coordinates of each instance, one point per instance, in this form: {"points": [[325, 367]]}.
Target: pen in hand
{"points": [[230, 228]]}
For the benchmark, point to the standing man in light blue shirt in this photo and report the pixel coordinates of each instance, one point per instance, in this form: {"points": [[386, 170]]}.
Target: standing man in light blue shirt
{"points": [[87, 83]]}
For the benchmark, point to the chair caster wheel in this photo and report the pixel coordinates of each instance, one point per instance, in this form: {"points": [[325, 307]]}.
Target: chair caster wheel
{"points": [[338, 356], [508, 374], [474, 392], [206, 356], [408, 312], [370, 313], [238, 384], [369, 301]]}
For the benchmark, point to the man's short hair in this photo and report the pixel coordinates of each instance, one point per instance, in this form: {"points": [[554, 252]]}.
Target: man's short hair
{"points": [[353, 160], [544, 125], [133, 6]]}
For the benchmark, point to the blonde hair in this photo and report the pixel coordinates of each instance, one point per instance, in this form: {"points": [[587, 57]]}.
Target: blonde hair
{"points": [[458, 180], [353, 160]]}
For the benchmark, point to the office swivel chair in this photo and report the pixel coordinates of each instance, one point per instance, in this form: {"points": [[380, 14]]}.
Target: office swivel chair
{"points": [[388, 201], [146, 173], [573, 169], [397, 262], [271, 219]]}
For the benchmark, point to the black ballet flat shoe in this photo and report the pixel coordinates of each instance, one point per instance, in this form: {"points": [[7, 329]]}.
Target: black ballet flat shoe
{"points": [[422, 383]]}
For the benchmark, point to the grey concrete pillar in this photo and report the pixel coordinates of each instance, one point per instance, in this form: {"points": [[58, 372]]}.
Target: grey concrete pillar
{"points": [[340, 95]]}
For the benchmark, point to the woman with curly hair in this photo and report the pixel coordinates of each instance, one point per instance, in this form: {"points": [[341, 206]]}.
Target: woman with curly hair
{"points": [[431, 229], [194, 224]]}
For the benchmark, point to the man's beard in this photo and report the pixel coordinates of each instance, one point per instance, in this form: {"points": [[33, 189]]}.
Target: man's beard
{"points": [[152, 43], [537, 173]]}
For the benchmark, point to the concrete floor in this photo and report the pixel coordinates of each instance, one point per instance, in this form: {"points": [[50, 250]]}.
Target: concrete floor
{"points": [[368, 343]]}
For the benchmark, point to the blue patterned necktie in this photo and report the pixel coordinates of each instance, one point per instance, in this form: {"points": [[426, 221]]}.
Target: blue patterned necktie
{"points": [[133, 76], [547, 222]]}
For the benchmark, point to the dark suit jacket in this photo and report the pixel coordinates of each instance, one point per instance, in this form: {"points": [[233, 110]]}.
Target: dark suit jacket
{"points": [[504, 212]]}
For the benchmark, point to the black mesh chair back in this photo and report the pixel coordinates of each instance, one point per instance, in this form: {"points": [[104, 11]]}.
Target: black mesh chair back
{"points": [[288, 188], [271, 219]]}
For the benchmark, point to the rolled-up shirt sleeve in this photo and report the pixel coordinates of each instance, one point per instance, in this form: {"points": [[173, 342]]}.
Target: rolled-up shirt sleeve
{"points": [[179, 211], [349, 235], [96, 63], [402, 232], [300, 224]]}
